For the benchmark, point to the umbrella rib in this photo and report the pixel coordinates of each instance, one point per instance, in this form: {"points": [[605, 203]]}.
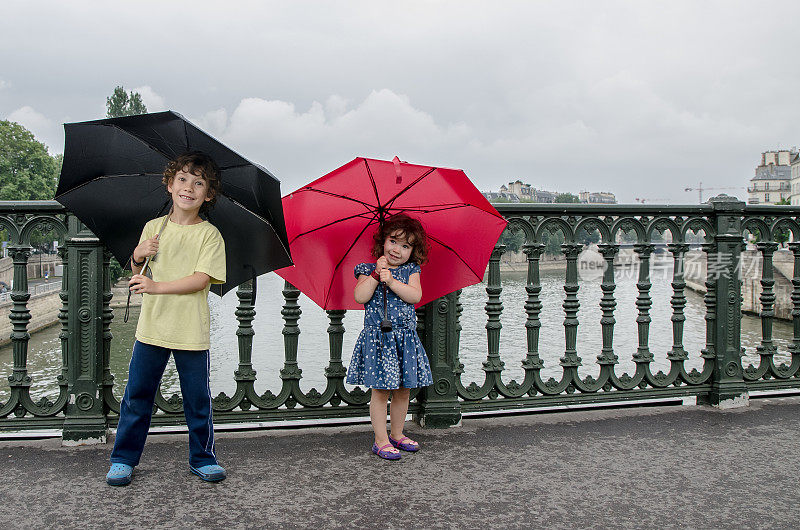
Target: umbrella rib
{"points": [[146, 144], [251, 212], [101, 177], [163, 139], [331, 194], [235, 166], [374, 186], [343, 219], [433, 208], [391, 201], [447, 247], [339, 264]]}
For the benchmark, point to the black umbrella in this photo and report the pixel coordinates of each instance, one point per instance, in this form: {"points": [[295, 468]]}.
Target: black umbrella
{"points": [[111, 180]]}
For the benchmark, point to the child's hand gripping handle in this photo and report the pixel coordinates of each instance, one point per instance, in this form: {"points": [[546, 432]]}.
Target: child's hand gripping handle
{"points": [[382, 268], [146, 264]]}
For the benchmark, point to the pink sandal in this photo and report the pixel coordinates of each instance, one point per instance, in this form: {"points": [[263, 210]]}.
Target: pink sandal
{"points": [[383, 453], [401, 444]]}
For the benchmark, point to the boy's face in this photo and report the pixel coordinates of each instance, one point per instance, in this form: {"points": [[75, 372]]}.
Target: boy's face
{"points": [[189, 191]]}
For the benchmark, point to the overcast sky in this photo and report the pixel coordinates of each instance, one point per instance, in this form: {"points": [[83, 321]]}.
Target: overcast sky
{"points": [[642, 99]]}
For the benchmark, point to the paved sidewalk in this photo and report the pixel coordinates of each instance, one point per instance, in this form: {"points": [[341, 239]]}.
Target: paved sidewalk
{"points": [[669, 467]]}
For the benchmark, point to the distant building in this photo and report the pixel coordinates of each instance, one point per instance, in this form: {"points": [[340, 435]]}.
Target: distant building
{"points": [[519, 191], [601, 197], [502, 195], [544, 196], [773, 179], [518, 188], [795, 182]]}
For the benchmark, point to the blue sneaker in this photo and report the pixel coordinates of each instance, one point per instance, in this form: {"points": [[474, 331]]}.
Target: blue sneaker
{"points": [[119, 475], [210, 473]]}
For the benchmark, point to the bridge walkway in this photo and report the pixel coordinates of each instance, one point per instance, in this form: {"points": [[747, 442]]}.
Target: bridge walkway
{"points": [[665, 467]]}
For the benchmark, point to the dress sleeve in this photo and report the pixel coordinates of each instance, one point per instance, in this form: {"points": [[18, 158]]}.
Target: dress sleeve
{"points": [[363, 269], [212, 258], [414, 268]]}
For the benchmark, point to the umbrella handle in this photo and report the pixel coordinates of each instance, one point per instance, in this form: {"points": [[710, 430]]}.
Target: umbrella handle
{"points": [[147, 264], [386, 324], [128, 303], [127, 307]]}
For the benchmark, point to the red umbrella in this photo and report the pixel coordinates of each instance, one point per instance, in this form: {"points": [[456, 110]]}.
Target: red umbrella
{"points": [[330, 223]]}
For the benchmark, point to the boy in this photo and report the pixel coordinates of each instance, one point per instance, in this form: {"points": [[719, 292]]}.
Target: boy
{"points": [[187, 255]]}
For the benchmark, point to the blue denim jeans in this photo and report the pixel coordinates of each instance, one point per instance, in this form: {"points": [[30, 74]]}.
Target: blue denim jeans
{"points": [[136, 410]]}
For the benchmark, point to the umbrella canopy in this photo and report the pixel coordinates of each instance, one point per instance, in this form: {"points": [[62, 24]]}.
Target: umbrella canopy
{"points": [[111, 180], [330, 223]]}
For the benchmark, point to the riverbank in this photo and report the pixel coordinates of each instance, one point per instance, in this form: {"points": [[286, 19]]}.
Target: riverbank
{"points": [[750, 271], [44, 307]]}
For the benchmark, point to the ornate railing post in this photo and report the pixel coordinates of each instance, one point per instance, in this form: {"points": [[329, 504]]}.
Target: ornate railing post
{"points": [[728, 388], [85, 420], [20, 315], [439, 405]]}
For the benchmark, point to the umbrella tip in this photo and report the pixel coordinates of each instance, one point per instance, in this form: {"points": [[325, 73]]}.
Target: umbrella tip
{"points": [[396, 162]]}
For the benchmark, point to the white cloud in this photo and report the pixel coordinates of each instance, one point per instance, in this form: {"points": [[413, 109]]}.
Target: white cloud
{"points": [[300, 146], [213, 122], [44, 129], [634, 98], [151, 100]]}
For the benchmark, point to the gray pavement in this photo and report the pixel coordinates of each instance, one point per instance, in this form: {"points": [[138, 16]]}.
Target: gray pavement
{"points": [[666, 467]]}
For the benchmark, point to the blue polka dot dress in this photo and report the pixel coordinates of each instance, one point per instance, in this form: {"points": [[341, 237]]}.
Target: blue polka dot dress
{"points": [[396, 358]]}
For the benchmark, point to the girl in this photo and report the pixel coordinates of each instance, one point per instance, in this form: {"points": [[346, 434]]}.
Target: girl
{"points": [[391, 362]]}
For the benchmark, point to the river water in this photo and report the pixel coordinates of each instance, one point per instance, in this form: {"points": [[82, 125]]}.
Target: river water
{"points": [[44, 349]]}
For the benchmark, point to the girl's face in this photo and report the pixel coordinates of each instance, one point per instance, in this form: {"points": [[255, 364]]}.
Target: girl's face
{"points": [[397, 249]]}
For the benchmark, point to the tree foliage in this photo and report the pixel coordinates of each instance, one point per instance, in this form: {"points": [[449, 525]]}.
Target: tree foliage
{"points": [[513, 240], [567, 197], [552, 242], [122, 103], [27, 171]]}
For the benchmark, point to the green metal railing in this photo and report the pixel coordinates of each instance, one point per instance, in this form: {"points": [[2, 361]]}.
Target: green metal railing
{"points": [[86, 407]]}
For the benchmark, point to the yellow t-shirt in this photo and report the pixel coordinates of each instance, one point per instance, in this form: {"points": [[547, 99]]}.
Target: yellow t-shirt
{"points": [[181, 321]]}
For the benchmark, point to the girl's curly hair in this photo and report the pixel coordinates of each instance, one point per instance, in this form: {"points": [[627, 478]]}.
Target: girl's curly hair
{"points": [[403, 225], [199, 164]]}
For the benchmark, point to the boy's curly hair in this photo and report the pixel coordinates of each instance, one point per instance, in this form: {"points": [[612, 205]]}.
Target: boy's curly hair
{"points": [[200, 164], [403, 225]]}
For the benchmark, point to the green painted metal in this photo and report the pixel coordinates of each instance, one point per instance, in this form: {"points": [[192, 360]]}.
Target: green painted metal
{"points": [[727, 382], [21, 219], [85, 413], [439, 406], [86, 406]]}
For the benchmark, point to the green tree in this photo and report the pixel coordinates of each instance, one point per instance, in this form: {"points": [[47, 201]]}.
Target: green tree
{"points": [[784, 202], [552, 242], [121, 103], [587, 238], [567, 198], [513, 240], [27, 171]]}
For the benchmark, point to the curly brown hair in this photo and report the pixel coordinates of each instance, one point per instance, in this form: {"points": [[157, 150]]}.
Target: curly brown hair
{"points": [[401, 224], [201, 165]]}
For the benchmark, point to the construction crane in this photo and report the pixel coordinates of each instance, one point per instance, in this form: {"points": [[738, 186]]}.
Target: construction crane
{"points": [[700, 189]]}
